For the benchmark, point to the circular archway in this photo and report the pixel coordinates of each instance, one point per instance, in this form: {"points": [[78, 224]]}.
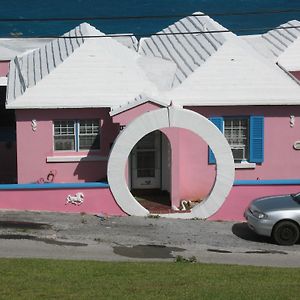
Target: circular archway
{"points": [[162, 118]]}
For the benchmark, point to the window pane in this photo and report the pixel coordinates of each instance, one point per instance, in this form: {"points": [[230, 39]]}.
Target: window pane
{"points": [[89, 137], [66, 142], [87, 142], [64, 135], [146, 163], [236, 133]]}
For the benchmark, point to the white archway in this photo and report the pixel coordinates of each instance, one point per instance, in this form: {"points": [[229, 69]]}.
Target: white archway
{"points": [[162, 118]]}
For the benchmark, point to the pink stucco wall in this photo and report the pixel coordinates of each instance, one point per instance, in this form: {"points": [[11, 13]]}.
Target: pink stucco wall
{"points": [[96, 201], [4, 67], [240, 197], [281, 160], [33, 147], [192, 177], [127, 116], [100, 200]]}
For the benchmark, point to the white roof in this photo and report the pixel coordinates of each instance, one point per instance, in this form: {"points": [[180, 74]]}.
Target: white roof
{"points": [[280, 44], [101, 72], [205, 69], [11, 47], [290, 59], [237, 75], [127, 40], [187, 51]]}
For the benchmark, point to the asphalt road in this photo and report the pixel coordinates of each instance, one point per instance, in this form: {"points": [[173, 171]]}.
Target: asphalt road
{"points": [[87, 237]]}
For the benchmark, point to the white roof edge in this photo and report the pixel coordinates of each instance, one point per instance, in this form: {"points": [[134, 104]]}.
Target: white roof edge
{"points": [[20, 106], [280, 102], [141, 99], [288, 73]]}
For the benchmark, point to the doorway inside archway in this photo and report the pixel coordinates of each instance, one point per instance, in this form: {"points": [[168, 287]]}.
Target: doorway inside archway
{"points": [[150, 172]]}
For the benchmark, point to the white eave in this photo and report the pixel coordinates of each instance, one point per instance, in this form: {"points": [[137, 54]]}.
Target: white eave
{"points": [[141, 99]]}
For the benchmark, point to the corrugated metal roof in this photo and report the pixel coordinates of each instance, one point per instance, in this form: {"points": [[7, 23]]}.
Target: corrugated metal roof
{"points": [[187, 51]]}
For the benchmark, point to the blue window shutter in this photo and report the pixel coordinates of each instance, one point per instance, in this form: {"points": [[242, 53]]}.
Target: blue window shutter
{"points": [[256, 139], [218, 121]]}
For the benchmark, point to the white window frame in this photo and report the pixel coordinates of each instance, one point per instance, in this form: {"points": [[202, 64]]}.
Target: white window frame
{"points": [[77, 134]]}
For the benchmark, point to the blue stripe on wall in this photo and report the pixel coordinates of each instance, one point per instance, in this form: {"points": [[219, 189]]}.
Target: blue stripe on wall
{"points": [[268, 182], [86, 185], [49, 186]]}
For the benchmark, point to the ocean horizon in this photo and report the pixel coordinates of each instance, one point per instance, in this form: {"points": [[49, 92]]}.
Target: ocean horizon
{"points": [[220, 10]]}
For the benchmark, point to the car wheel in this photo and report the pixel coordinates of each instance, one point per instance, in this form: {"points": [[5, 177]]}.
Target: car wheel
{"points": [[286, 233]]}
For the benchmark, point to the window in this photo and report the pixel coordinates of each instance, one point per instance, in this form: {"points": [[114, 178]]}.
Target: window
{"points": [[76, 135], [245, 136], [89, 135], [236, 133]]}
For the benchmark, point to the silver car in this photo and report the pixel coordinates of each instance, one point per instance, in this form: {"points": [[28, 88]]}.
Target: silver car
{"points": [[277, 217]]}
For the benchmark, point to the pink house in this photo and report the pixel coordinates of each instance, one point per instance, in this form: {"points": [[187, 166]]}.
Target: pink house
{"points": [[202, 123]]}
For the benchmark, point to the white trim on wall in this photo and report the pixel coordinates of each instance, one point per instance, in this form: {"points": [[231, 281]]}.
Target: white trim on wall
{"points": [[77, 158]]}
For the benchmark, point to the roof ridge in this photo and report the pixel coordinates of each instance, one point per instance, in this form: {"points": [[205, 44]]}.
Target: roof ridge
{"points": [[43, 60], [187, 51]]}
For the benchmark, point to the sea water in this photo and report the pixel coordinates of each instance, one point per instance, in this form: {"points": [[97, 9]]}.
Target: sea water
{"points": [[83, 9]]}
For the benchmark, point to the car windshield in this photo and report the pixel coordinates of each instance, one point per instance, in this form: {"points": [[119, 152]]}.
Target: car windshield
{"points": [[296, 197]]}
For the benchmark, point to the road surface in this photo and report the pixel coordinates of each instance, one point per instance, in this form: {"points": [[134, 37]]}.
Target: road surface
{"points": [[88, 237]]}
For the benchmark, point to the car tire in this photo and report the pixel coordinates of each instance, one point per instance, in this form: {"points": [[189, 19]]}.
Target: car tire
{"points": [[286, 233]]}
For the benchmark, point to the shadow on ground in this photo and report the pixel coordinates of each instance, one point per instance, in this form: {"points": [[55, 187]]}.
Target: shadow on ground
{"points": [[147, 251], [242, 231]]}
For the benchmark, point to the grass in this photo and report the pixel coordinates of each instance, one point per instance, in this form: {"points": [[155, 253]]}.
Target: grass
{"points": [[58, 279]]}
